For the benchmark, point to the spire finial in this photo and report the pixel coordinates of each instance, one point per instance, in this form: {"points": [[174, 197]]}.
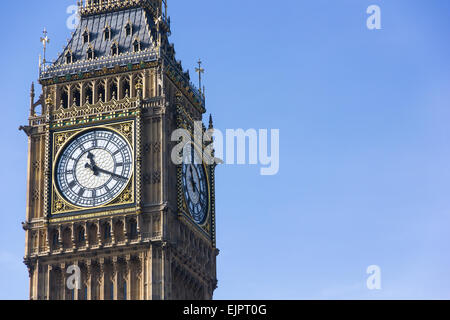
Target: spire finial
{"points": [[32, 95], [200, 71], [45, 40], [211, 123]]}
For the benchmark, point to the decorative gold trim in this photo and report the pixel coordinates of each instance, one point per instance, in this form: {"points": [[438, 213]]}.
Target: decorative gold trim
{"points": [[59, 205]]}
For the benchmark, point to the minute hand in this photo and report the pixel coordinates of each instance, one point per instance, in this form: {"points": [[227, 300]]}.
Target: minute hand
{"points": [[110, 173]]}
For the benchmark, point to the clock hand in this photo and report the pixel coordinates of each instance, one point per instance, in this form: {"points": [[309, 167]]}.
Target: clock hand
{"points": [[88, 166], [192, 180], [93, 165], [110, 173], [94, 168]]}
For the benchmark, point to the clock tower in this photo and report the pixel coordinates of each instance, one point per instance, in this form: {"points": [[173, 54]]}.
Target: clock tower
{"points": [[107, 207]]}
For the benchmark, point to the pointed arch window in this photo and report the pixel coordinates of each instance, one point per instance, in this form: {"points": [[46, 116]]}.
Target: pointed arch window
{"points": [[133, 230], [68, 57], [129, 29], [136, 45], [81, 236], [114, 49], [90, 53], [107, 33], [55, 239], [107, 232], [86, 36]]}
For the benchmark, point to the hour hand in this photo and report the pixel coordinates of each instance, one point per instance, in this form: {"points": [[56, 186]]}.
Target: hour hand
{"points": [[91, 159], [92, 167]]}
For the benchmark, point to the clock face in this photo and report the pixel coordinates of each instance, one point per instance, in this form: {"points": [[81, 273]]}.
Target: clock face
{"points": [[196, 189], [94, 168]]}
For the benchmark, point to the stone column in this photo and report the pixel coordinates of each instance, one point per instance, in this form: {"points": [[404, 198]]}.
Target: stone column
{"points": [[132, 86], [146, 84], [49, 278], [60, 239], [82, 88], [99, 233], [113, 237], [63, 280], [107, 93], [74, 243], [119, 88], [69, 96], [76, 291], [86, 240], [138, 224], [101, 276], [125, 230], [115, 277], [127, 277], [94, 92], [89, 279]]}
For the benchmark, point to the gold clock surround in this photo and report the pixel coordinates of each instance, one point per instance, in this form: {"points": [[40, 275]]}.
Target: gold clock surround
{"points": [[59, 205]]}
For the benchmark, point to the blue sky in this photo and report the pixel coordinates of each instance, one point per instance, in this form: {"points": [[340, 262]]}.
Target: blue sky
{"points": [[364, 120]]}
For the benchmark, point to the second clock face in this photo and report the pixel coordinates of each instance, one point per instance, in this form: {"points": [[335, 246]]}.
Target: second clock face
{"points": [[94, 168], [196, 188]]}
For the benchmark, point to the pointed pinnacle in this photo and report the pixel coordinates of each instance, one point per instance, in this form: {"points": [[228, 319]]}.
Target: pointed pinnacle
{"points": [[211, 124]]}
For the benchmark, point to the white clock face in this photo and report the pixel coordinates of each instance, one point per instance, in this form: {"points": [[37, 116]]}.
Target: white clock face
{"points": [[94, 168], [196, 189]]}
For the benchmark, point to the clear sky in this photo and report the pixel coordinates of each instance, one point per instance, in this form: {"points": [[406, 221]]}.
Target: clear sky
{"points": [[365, 156]]}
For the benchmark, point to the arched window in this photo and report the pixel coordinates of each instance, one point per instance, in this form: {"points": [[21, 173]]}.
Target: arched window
{"points": [[119, 231], [55, 239], [86, 36], [136, 45], [64, 103], [126, 88], [107, 33], [90, 53], [133, 230], [93, 235], [76, 97], [81, 235], [67, 238], [101, 92], [68, 57], [107, 232], [129, 29], [88, 94], [113, 90], [114, 49]]}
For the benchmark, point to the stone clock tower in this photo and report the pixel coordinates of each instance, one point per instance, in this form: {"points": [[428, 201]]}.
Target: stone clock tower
{"points": [[104, 195]]}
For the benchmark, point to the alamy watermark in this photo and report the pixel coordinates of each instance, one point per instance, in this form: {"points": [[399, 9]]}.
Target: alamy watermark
{"points": [[374, 279], [374, 20], [74, 18], [236, 146], [74, 280]]}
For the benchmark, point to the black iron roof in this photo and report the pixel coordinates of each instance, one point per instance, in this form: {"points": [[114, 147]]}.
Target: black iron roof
{"points": [[142, 30]]}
